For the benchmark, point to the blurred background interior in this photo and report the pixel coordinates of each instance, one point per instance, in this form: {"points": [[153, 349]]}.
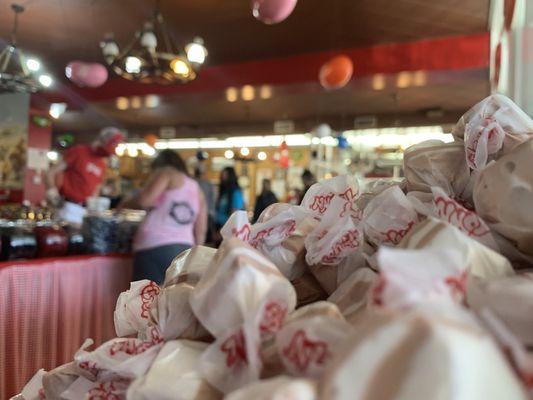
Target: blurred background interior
{"points": [[282, 92]]}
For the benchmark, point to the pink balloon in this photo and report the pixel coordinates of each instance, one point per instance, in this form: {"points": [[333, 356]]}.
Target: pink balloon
{"points": [[272, 11], [86, 74]]}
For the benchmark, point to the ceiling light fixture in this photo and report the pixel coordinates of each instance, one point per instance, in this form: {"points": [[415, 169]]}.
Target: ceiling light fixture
{"points": [[232, 94], [265, 92], [262, 156], [122, 103], [33, 64], [57, 109], [46, 80], [229, 154], [153, 57], [135, 102], [248, 93], [17, 72]]}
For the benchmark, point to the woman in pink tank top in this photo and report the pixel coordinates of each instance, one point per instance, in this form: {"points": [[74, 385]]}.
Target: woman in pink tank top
{"points": [[176, 217]]}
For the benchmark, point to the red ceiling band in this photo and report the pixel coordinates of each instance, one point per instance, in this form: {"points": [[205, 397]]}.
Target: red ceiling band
{"points": [[450, 53]]}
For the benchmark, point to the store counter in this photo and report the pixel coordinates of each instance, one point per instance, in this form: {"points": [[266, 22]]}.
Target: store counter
{"points": [[48, 307]]}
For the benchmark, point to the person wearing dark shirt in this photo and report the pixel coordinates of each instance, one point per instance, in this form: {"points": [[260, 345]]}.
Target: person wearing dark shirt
{"points": [[265, 198], [308, 179]]}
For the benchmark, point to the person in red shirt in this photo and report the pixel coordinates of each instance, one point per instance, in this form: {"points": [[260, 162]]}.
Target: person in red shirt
{"points": [[82, 169]]}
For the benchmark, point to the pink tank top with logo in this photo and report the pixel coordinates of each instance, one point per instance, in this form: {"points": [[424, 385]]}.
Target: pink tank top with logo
{"points": [[172, 220]]}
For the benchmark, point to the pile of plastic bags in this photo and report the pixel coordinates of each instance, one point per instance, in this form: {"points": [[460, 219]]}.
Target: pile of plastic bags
{"points": [[400, 291]]}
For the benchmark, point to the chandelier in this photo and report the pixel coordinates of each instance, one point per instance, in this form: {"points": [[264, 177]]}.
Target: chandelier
{"points": [[18, 73], [153, 57]]}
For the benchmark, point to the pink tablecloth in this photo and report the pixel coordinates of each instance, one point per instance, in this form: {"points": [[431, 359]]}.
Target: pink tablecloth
{"points": [[48, 307]]}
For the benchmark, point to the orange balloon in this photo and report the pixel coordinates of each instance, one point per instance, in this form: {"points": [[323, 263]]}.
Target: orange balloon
{"points": [[151, 139], [336, 73]]}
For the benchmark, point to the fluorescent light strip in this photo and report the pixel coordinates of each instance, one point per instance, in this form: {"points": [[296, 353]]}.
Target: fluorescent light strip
{"points": [[361, 137]]}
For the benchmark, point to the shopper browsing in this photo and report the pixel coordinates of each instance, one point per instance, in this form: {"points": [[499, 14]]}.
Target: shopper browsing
{"points": [[230, 197], [176, 219]]}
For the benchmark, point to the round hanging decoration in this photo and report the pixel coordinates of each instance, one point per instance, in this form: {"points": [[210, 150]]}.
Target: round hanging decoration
{"points": [[336, 73], [151, 139], [272, 11], [322, 130], [86, 74]]}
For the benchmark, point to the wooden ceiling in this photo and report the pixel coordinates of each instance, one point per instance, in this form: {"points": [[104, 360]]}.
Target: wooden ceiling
{"points": [[59, 31], [448, 92]]}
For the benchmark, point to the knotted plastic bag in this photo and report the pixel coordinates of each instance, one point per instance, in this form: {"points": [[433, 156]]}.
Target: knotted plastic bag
{"points": [[493, 124], [58, 380], [319, 196], [189, 266], [132, 312], [503, 196], [84, 388], [242, 299], [309, 339], [279, 236], [279, 388], [126, 358], [510, 298], [388, 217], [435, 163], [443, 207], [438, 353], [333, 247], [412, 277], [352, 294], [173, 315], [479, 260], [174, 375]]}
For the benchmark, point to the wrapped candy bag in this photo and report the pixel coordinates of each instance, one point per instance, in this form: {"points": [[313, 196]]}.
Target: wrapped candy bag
{"points": [[236, 285], [478, 259], [125, 358], [503, 195], [173, 316], [59, 379], [388, 217], [84, 388], [279, 236], [509, 298], [318, 309], [308, 290], [281, 239], [441, 206], [33, 390], [189, 266], [435, 163], [352, 294], [308, 340], [132, 312], [333, 246], [279, 388], [520, 358], [242, 299], [319, 196], [372, 189], [494, 124], [433, 354], [174, 375], [411, 277]]}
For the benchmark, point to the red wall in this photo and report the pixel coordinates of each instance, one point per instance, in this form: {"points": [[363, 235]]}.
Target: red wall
{"points": [[41, 138]]}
